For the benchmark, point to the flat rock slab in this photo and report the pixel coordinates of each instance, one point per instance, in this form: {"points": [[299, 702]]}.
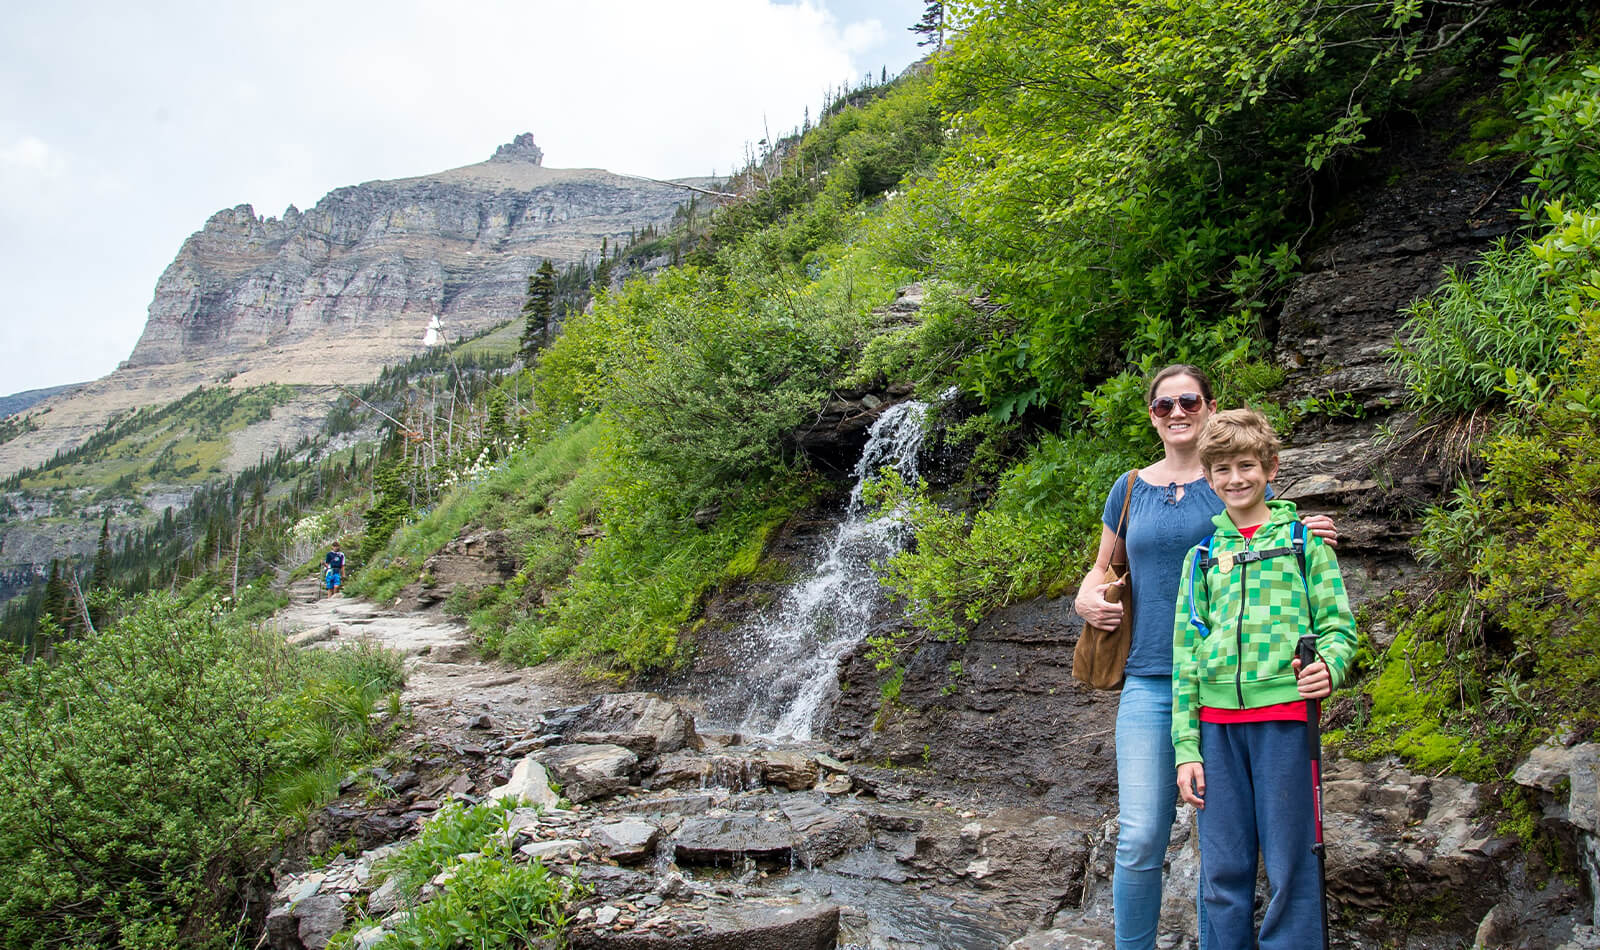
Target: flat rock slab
{"points": [[626, 842], [747, 925], [1060, 940], [730, 840]]}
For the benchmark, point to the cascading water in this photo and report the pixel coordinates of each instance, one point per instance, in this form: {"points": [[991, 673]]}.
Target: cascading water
{"points": [[793, 652]]}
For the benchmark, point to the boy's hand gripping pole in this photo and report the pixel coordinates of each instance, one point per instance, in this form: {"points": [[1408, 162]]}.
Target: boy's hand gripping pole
{"points": [[1306, 653]]}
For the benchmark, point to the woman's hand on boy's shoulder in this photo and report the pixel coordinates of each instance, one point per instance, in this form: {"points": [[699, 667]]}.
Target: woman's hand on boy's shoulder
{"points": [[1323, 527]]}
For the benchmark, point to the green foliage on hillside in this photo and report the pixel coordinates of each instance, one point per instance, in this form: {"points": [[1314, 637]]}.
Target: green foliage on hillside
{"points": [[181, 442], [1501, 650], [147, 767], [1120, 164]]}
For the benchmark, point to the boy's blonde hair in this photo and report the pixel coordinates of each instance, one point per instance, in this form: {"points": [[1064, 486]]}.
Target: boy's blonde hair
{"points": [[1238, 432]]}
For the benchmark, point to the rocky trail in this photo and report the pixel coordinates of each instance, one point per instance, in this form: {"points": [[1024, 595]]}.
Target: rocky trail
{"points": [[687, 839]]}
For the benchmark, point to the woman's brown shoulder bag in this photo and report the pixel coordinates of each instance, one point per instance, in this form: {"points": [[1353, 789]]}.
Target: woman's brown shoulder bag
{"points": [[1100, 655]]}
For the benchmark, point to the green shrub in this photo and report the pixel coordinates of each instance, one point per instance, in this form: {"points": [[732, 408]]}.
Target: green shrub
{"points": [[139, 771], [1483, 332], [490, 900]]}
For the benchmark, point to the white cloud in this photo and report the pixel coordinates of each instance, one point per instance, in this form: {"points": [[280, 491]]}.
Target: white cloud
{"points": [[30, 155]]}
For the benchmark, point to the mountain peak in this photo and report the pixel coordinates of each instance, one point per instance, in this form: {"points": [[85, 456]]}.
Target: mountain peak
{"points": [[519, 149]]}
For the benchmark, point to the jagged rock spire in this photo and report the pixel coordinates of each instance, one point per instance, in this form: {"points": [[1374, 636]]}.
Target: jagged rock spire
{"points": [[520, 149]]}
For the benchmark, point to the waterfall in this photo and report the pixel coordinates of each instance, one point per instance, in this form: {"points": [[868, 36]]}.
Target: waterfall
{"points": [[792, 652]]}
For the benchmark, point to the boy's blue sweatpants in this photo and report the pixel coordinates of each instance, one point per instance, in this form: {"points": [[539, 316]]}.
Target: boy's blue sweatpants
{"points": [[1258, 795]]}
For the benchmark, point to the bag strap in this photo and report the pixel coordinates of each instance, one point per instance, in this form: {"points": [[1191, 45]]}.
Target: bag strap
{"points": [[1119, 552]]}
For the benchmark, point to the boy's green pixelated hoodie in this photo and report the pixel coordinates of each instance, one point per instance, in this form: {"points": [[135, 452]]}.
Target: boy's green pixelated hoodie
{"points": [[1255, 613]]}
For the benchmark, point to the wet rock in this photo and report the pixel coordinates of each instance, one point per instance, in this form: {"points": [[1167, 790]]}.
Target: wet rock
{"points": [[748, 925], [834, 436], [693, 770], [788, 768], [626, 842], [609, 883], [644, 723], [822, 833], [986, 724], [730, 840], [1060, 940], [529, 782], [693, 804], [588, 772]]}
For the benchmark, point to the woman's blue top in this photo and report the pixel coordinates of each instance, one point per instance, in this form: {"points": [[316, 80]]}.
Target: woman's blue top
{"points": [[1161, 529]]}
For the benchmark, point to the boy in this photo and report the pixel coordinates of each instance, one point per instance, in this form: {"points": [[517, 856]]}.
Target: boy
{"points": [[334, 571], [1248, 593]]}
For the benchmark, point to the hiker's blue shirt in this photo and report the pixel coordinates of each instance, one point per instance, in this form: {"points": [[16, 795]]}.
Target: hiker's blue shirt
{"points": [[1161, 530]]}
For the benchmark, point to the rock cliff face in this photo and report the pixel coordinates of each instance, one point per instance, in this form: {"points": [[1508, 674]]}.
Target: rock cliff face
{"points": [[337, 292], [379, 260]]}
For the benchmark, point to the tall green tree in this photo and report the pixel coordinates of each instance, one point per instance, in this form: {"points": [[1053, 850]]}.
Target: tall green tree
{"points": [[931, 26], [537, 310]]}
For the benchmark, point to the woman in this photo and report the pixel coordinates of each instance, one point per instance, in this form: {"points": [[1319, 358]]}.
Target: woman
{"points": [[1169, 513]]}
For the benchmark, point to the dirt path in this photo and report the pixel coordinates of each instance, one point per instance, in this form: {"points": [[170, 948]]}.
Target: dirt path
{"points": [[448, 683]]}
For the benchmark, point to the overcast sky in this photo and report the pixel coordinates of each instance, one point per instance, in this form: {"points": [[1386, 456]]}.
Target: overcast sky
{"points": [[124, 126]]}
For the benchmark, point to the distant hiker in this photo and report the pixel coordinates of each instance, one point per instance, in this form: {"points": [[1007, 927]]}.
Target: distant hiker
{"points": [[1170, 511], [1248, 593], [333, 572]]}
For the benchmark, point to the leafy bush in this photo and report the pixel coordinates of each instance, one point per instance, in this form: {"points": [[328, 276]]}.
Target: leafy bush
{"points": [[1118, 165], [138, 768], [1483, 333], [1516, 553], [490, 900], [640, 582]]}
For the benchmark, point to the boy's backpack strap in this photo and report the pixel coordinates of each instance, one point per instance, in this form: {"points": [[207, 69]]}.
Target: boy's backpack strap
{"points": [[1202, 564]]}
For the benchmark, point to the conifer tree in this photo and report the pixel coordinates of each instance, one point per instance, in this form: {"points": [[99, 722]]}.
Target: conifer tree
{"points": [[931, 26], [57, 601], [537, 310], [100, 575]]}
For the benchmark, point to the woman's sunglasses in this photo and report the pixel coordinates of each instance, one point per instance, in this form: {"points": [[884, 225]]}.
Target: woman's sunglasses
{"points": [[1162, 407]]}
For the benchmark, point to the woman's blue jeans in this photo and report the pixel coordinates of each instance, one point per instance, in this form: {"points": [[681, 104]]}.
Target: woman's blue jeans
{"points": [[1147, 796]]}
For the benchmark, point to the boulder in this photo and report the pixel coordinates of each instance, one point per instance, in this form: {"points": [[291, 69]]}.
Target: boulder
{"points": [[318, 918], [729, 840], [587, 772], [529, 782], [822, 833], [690, 770], [644, 723], [626, 842], [788, 768]]}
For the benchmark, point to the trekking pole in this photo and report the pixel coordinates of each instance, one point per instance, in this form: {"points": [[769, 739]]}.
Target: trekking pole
{"points": [[1306, 652]]}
